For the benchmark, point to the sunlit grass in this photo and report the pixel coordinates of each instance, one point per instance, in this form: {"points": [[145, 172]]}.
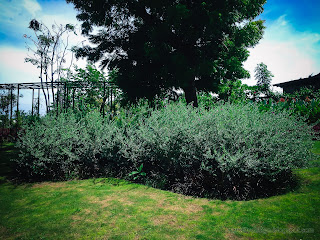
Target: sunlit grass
{"points": [[117, 209], [316, 147]]}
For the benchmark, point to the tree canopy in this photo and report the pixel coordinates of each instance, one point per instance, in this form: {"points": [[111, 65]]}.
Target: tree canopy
{"points": [[157, 45]]}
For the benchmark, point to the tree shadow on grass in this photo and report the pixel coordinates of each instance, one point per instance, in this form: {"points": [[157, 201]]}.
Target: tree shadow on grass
{"points": [[198, 185], [7, 153], [240, 188]]}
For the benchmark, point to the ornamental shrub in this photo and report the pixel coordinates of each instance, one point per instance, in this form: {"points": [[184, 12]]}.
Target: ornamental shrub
{"points": [[230, 151], [225, 151], [66, 146]]}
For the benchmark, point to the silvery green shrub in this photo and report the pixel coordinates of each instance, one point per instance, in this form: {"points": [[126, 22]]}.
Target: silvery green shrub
{"points": [[227, 151], [65, 146]]}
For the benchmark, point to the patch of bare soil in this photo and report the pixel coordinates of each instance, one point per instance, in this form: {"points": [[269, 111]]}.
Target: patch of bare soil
{"points": [[49, 184], [168, 219]]}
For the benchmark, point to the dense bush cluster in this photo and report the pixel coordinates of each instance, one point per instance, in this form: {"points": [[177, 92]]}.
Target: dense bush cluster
{"points": [[67, 146], [308, 109], [228, 151], [303, 104]]}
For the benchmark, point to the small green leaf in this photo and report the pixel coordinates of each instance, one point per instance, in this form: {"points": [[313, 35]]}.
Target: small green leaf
{"points": [[133, 173], [140, 168]]}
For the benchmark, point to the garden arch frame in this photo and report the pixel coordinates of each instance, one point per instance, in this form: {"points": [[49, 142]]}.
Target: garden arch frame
{"points": [[109, 93]]}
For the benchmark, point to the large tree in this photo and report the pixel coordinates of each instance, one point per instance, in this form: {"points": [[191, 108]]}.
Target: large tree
{"points": [[192, 44]]}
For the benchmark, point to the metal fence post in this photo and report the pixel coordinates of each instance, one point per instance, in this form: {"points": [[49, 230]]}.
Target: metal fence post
{"points": [[18, 101], [73, 90], [32, 101], [65, 94], [38, 101], [11, 106], [104, 98]]}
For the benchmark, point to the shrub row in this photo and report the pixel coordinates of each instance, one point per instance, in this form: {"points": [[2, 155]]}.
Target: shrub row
{"points": [[229, 151]]}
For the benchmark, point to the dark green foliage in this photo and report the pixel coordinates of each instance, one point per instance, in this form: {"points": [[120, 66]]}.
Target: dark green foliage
{"points": [[157, 45], [138, 173], [10, 118], [207, 100], [93, 90], [227, 151], [305, 102], [307, 110], [89, 97], [234, 92], [6, 99], [303, 94]]}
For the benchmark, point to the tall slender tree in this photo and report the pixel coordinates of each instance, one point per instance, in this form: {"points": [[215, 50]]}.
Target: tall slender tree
{"points": [[156, 45], [263, 77], [48, 53]]}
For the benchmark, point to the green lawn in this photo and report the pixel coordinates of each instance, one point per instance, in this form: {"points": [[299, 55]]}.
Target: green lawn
{"points": [[116, 209], [316, 148]]}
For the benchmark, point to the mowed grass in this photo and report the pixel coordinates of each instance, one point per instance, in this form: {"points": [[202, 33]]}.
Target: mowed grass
{"points": [[316, 148], [117, 209]]}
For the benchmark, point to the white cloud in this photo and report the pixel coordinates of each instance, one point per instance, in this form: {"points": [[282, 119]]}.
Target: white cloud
{"points": [[16, 15], [14, 19], [288, 54], [13, 68], [32, 6], [73, 40]]}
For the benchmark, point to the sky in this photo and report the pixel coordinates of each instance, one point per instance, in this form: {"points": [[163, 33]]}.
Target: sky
{"points": [[290, 46]]}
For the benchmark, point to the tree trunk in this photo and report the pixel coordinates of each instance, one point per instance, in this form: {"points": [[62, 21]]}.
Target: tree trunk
{"points": [[41, 78], [191, 94], [103, 104]]}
